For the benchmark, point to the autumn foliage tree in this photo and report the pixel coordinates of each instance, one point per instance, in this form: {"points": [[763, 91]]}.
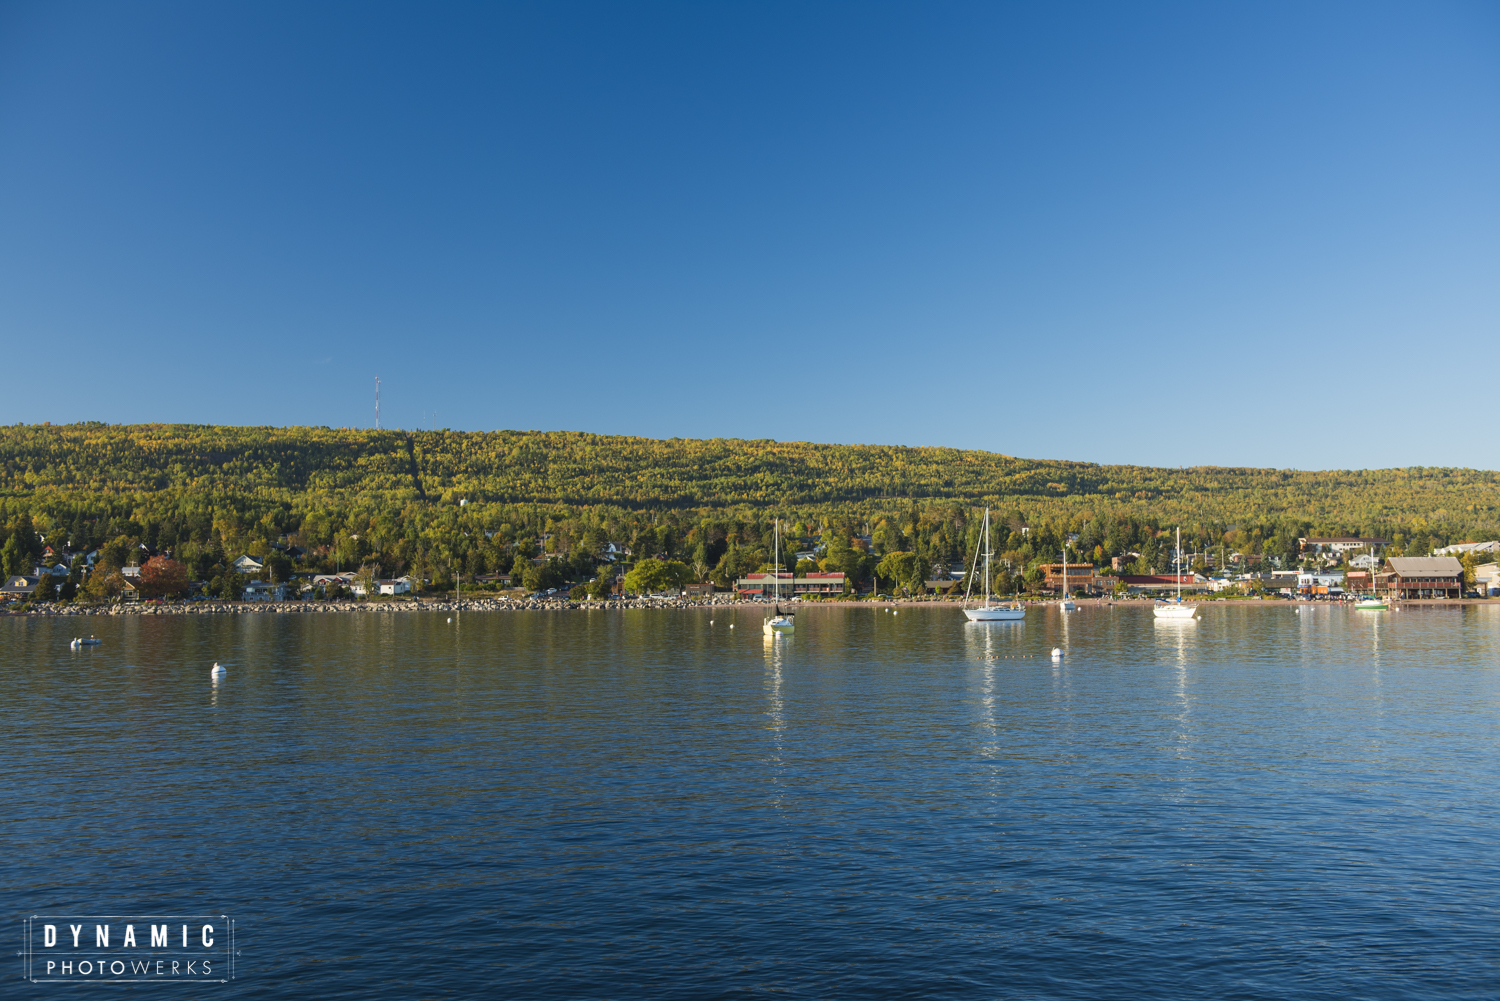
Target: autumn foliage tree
{"points": [[161, 577]]}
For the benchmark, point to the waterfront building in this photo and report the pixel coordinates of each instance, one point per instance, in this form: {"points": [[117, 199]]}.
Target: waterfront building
{"points": [[258, 590], [1163, 581], [1320, 585], [1079, 575], [1424, 577], [758, 585]]}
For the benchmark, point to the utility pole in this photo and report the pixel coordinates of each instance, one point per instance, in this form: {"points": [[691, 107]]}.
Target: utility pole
{"points": [[377, 403]]}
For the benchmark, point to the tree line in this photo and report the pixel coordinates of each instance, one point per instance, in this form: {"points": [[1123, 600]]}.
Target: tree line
{"points": [[543, 506]]}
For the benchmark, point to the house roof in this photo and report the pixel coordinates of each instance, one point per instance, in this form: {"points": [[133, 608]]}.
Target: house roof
{"points": [[1468, 547], [1426, 566]]}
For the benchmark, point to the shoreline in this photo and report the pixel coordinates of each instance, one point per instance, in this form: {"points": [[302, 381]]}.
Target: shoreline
{"points": [[504, 605]]}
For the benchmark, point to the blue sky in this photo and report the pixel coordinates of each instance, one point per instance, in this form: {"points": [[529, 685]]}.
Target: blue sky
{"points": [[1162, 234]]}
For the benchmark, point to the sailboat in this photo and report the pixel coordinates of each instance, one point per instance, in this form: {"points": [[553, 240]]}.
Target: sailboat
{"points": [[779, 622], [1067, 603], [1176, 609], [988, 612], [1374, 603]]}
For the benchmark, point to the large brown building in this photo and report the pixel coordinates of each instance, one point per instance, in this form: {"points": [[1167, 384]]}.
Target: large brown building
{"points": [[1079, 575], [1424, 577]]}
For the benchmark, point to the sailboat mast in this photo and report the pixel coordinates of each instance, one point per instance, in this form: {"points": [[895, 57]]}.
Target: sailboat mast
{"points": [[986, 557], [1179, 564]]}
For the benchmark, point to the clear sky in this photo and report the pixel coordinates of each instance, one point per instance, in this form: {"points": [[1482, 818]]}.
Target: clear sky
{"points": [[1255, 234]]}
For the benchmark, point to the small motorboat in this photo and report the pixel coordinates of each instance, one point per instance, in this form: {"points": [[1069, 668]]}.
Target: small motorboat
{"points": [[79, 641]]}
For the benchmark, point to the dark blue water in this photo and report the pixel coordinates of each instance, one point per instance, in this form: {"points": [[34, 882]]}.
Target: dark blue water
{"points": [[1264, 804]]}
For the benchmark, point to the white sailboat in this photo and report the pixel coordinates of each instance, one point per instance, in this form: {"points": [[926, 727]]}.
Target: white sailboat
{"points": [[779, 622], [1067, 603], [1176, 609], [988, 612], [1374, 603]]}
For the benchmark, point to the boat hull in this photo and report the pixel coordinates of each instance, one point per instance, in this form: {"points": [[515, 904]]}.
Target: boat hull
{"points": [[1371, 606], [1175, 611], [995, 614], [774, 626]]}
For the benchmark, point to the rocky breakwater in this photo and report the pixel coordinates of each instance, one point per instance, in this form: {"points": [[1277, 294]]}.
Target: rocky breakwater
{"points": [[376, 607]]}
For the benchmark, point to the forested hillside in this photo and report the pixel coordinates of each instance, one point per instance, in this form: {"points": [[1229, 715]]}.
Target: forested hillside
{"points": [[216, 489]]}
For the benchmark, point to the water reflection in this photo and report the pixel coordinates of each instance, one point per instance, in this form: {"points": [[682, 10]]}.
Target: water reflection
{"points": [[775, 646], [987, 641]]}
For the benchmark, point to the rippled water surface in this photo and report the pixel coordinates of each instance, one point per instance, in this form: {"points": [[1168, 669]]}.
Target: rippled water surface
{"points": [[1263, 804]]}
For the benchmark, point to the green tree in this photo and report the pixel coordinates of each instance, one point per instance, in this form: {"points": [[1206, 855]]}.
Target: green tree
{"points": [[653, 575], [278, 568], [902, 568], [14, 557]]}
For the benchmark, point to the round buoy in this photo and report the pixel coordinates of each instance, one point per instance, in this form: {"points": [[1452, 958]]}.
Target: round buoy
{"points": [[217, 669], [1057, 653], [731, 625], [710, 621], [450, 618], [895, 611]]}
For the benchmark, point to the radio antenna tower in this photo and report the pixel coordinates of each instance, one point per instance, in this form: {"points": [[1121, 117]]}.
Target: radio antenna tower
{"points": [[377, 403]]}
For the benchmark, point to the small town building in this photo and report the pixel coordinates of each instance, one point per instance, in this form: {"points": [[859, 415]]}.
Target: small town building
{"points": [[1341, 545], [1166, 582], [786, 585], [698, 590], [1425, 577], [1459, 548], [249, 564], [19, 586], [1079, 575], [264, 591], [1487, 579], [1318, 585], [399, 585]]}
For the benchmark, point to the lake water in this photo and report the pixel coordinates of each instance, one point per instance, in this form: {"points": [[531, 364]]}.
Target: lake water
{"points": [[637, 804]]}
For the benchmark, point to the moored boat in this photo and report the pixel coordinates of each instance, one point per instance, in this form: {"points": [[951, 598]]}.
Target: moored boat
{"points": [[1176, 609], [988, 612]]}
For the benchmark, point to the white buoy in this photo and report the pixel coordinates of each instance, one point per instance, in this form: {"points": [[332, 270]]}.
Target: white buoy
{"points": [[1057, 653], [450, 618], [731, 625], [895, 611], [217, 669], [710, 621]]}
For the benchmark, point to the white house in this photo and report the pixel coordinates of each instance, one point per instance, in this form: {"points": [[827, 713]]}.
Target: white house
{"points": [[1487, 579], [261, 591], [1459, 548], [345, 578], [249, 564], [401, 585], [1320, 583]]}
